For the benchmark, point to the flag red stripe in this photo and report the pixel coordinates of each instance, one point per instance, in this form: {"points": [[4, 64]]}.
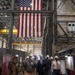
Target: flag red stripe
{"points": [[22, 22], [20, 30], [26, 25], [28, 20], [36, 18], [34, 21], [32, 18], [40, 1]]}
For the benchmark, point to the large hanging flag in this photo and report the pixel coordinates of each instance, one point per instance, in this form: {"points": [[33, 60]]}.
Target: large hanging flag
{"points": [[30, 24]]}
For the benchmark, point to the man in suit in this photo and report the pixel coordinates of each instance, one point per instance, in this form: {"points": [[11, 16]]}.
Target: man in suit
{"points": [[40, 66]]}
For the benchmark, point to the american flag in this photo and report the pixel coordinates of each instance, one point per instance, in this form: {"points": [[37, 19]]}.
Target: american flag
{"points": [[30, 24]]}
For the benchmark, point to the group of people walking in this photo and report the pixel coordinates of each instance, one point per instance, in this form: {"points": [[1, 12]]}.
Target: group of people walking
{"points": [[32, 65], [42, 66]]}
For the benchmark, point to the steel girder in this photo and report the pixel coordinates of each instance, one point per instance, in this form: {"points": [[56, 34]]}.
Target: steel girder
{"points": [[66, 38], [25, 11]]}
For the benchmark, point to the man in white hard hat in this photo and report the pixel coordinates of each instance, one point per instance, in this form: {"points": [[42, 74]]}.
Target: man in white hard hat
{"points": [[51, 58], [47, 56], [56, 66]]}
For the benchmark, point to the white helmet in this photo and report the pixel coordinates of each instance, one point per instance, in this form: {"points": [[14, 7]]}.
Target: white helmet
{"points": [[17, 55], [51, 57], [27, 57], [56, 57], [47, 56]]}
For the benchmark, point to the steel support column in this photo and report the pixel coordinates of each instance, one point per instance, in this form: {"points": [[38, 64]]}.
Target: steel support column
{"points": [[44, 37], [55, 20], [44, 44], [11, 29], [48, 31], [49, 38]]}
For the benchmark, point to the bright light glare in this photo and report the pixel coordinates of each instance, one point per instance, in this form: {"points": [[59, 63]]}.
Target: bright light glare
{"points": [[5, 15], [66, 56], [4, 26], [31, 4], [32, 57], [17, 55]]}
